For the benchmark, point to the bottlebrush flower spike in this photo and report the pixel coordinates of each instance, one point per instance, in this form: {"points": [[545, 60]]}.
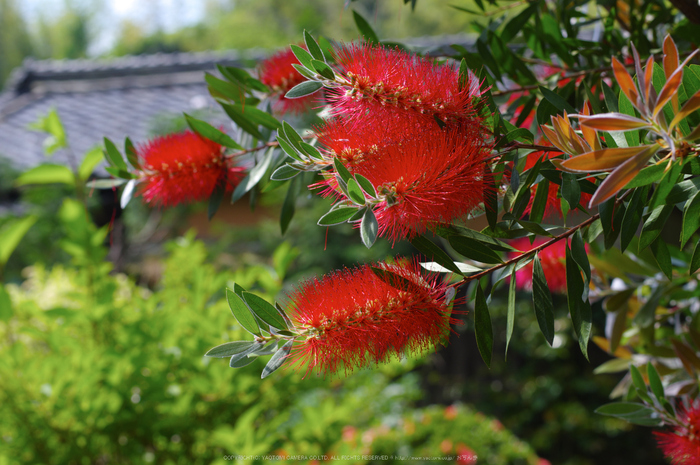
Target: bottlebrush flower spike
{"points": [[379, 83], [682, 445], [424, 175], [184, 167], [278, 74], [352, 317], [553, 260]]}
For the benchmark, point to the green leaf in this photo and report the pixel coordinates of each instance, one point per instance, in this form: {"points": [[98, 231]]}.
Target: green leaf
{"points": [[482, 326], [437, 268], [659, 250], [633, 215], [303, 56], [287, 147], [580, 311], [539, 202], [473, 249], [113, 156], [337, 216], [510, 319], [310, 150], [242, 313], [215, 199], [695, 259], [254, 176], [611, 215], [303, 89], [490, 197], [369, 228], [542, 301], [46, 174], [242, 120], [365, 29], [664, 187], [228, 349], [655, 382], [355, 192], [341, 170], [323, 69], [264, 310], [277, 359], [105, 183], [119, 173], [11, 234], [92, 158], [366, 185], [620, 408], [556, 100], [313, 47], [132, 155], [208, 131], [284, 173], [127, 193], [5, 304], [648, 175], [646, 315], [289, 204], [653, 225], [570, 189], [515, 25], [691, 218], [637, 378], [52, 125], [430, 250]]}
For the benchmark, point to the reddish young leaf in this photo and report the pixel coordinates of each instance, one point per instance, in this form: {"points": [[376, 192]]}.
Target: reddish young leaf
{"points": [[622, 175], [554, 139], [690, 106], [613, 122], [648, 75], [625, 81], [695, 135], [671, 63], [668, 90], [600, 160], [590, 134]]}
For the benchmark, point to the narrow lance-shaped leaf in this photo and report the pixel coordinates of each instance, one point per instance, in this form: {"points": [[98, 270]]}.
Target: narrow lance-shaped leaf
{"points": [[365, 29], [671, 63], [277, 359], [265, 311], [542, 301], [482, 326], [430, 250], [303, 89], [242, 313], [369, 228], [625, 81], [622, 175], [313, 47], [613, 122], [692, 104], [510, 318]]}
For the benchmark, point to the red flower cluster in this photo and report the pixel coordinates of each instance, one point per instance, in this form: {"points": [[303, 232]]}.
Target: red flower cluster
{"points": [[352, 317], [553, 260], [278, 73], [682, 445], [427, 175], [386, 83], [426, 172], [184, 167]]}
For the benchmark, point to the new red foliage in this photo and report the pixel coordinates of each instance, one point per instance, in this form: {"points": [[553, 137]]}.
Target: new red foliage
{"points": [[682, 445], [352, 317], [184, 167]]}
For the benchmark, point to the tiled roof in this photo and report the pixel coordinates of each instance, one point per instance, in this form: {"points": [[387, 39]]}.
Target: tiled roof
{"points": [[113, 98]]}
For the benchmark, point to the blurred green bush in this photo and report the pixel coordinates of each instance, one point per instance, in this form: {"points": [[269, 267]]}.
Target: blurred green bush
{"points": [[95, 369]]}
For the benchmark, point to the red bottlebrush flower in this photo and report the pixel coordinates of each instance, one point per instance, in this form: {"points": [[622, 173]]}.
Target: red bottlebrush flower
{"points": [[352, 317], [278, 74], [383, 83], [465, 455], [682, 445], [553, 260], [553, 203], [425, 175], [184, 167]]}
